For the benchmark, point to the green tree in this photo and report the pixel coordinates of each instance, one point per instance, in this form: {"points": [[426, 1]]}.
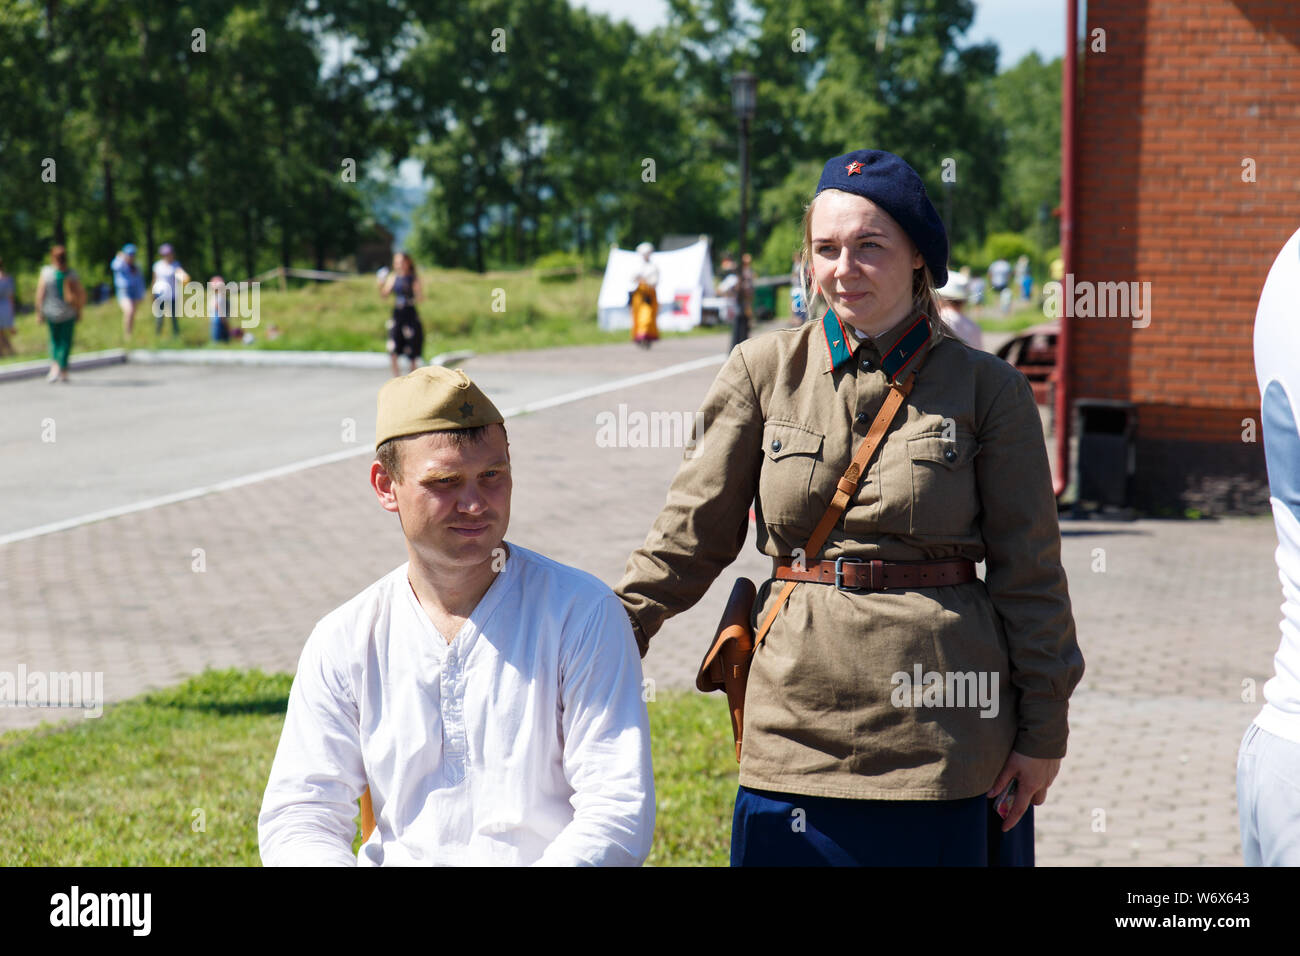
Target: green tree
{"points": [[204, 122], [1027, 101], [836, 75], [25, 201]]}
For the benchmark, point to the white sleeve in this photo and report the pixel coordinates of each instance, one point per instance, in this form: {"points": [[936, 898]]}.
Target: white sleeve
{"points": [[317, 776], [606, 746]]}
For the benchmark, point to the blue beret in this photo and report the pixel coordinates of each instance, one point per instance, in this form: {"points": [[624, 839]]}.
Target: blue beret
{"points": [[895, 187]]}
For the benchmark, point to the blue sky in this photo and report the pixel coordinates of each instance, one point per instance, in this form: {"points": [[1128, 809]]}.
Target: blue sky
{"points": [[1017, 26]]}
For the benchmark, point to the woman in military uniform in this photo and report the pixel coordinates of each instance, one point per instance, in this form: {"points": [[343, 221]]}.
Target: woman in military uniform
{"points": [[895, 693]]}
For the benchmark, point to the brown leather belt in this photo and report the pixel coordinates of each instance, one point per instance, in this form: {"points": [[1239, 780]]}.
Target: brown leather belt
{"points": [[858, 574]]}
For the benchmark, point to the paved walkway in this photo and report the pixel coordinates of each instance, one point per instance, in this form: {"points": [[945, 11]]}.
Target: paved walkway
{"points": [[1182, 616]]}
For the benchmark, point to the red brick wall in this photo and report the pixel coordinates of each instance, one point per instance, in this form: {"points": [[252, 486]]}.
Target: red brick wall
{"points": [[1184, 92]]}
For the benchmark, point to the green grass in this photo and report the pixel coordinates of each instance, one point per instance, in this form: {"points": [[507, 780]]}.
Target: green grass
{"points": [[457, 313], [990, 317], [122, 790], [695, 779], [349, 316]]}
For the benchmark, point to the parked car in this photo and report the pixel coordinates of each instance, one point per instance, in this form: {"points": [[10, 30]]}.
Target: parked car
{"points": [[1033, 352]]}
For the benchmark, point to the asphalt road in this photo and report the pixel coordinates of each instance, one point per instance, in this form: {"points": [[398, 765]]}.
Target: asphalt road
{"points": [[127, 435]]}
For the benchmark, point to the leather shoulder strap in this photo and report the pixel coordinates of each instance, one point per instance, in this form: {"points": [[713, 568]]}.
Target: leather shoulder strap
{"points": [[847, 484]]}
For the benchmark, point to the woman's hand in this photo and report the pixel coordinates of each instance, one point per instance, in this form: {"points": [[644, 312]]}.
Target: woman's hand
{"points": [[1035, 775]]}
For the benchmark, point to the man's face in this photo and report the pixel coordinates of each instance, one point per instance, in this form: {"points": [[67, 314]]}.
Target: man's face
{"points": [[453, 501]]}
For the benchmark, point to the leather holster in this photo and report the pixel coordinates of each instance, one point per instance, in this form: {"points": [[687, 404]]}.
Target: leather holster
{"points": [[726, 665]]}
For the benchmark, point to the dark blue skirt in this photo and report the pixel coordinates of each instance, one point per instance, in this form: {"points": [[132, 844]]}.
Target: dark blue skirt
{"points": [[789, 829]]}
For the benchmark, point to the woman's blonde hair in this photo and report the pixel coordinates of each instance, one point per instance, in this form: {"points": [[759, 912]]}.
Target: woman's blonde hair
{"points": [[924, 292]]}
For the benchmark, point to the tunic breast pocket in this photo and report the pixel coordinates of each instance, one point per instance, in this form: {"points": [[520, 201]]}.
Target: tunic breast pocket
{"points": [[945, 497], [791, 452]]}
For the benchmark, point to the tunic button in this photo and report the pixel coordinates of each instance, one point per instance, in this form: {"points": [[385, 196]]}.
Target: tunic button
{"points": [[862, 418], [950, 454], [776, 444]]}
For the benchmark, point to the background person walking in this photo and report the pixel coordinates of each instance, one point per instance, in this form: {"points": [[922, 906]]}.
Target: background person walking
{"points": [[218, 309], [6, 311], [59, 300], [999, 279], [128, 285], [644, 300], [168, 277], [405, 333], [798, 306], [952, 298]]}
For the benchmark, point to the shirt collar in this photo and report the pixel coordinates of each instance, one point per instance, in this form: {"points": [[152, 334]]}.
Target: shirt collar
{"points": [[897, 347]]}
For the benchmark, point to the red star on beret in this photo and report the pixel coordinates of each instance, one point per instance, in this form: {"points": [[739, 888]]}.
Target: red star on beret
{"points": [[854, 167]]}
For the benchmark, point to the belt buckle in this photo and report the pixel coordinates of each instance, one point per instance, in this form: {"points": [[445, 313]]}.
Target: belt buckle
{"points": [[839, 573]]}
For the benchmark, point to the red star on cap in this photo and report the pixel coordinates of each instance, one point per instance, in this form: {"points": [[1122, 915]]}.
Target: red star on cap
{"points": [[854, 167]]}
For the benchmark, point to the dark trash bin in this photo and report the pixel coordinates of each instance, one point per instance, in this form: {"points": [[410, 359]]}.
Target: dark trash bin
{"points": [[1105, 453]]}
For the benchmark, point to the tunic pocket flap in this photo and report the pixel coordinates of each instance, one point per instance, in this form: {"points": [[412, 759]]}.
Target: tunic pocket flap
{"points": [[781, 439], [951, 453]]}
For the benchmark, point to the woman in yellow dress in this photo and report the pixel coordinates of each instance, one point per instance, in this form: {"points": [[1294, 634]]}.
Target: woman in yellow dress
{"points": [[644, 301]]}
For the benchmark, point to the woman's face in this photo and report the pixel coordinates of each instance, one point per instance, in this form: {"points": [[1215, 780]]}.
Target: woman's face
{"points": [[862, 261]]}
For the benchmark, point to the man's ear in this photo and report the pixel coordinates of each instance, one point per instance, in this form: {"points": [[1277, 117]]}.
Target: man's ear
{"points": [[382, 482]]}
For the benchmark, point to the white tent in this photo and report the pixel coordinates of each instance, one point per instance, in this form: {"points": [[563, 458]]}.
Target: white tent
{"points": [[685, 279]]}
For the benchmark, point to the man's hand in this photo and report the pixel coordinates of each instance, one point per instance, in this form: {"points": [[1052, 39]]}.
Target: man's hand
{"points": [[1035, 775]]}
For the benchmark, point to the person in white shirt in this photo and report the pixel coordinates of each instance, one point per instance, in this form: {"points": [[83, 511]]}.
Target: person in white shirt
{"points": [[169, 278], [489, 697], [999, 277], [952, 297], [1268, 761]]}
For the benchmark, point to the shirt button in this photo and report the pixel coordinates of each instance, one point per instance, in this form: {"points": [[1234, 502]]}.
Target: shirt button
{"points": [[866, 365], [950, 454], [776, 444], [862, 418]]}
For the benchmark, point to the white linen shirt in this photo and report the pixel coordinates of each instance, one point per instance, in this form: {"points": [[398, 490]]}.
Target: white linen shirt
{"points": [[1277, 370], [525, 740]]}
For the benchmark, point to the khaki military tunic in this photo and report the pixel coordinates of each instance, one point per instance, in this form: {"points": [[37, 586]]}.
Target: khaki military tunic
{"points": [[962, 473]]}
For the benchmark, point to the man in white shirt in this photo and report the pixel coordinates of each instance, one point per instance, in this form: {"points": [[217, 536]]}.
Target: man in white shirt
{"points": [[1268, 761], [488, 696], [952, 297], [999, 277], [169, 279]]}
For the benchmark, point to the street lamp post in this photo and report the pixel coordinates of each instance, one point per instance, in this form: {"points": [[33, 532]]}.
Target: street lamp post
{"points": [[743, 86]]}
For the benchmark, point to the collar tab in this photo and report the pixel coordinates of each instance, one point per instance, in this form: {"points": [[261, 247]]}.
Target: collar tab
{"points": [[907, 348], [837, 344]]}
